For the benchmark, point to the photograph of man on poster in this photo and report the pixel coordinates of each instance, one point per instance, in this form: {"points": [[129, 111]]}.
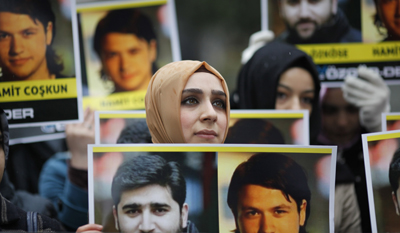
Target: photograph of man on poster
{"points": [[27, 31], [321, 21], [149, 196], [126, 44], [269, 193]]}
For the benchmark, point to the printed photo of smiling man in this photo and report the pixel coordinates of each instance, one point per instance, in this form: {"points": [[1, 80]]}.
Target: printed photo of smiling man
{"points": [[27, 34]]}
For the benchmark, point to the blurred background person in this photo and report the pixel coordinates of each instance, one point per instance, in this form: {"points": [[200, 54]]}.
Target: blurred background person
{"points": [[320, 21], [126, 43]]}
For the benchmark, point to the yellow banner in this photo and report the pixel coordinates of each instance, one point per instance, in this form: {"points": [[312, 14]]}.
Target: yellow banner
{"points": [[117, 101], [353, 52], [63, 88], [392, 117], [267, 115], [382, 136], [113, 6]]}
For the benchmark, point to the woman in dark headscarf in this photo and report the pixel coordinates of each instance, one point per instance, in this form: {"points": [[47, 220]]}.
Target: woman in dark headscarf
{"points": [[280, 76]]}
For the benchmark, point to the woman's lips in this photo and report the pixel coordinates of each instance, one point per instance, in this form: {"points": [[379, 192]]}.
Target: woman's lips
{"points": [[207, 134], [18, 61]]}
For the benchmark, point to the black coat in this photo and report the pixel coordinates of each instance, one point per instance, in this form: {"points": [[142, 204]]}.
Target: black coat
{"points": [[12, 219]]}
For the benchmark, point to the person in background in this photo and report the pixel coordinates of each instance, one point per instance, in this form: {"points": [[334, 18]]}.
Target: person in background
{"points": [[311, 22], [12, 217], [64, 178]]}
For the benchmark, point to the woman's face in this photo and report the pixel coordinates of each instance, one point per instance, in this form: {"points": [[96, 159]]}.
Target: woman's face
{"points": [[389, 13], [203, 109], [295, 90]]}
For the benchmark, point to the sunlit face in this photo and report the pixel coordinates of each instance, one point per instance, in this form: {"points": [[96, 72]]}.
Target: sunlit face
{"points": [[149, 209], [389, 13], [263, 209], [340, 120], [306, 16], [203, 109], [23, 44], [295, 90], [127, 60]]}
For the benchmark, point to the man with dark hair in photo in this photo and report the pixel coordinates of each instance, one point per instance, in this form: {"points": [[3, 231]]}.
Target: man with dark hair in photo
{"points": [[126, 43], [269, 193], [149, 196], [315, 21], [27, 30], [394, 178]]}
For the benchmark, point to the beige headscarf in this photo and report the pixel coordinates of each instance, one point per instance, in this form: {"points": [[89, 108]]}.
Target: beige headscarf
{"points": [[163, 100]]}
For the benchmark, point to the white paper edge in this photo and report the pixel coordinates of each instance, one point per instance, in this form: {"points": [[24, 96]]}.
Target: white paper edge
{"points": [[90, 183], [332, 180], [40, 138], [384, 121], [264, 15], [175, 43], [370, 192]]}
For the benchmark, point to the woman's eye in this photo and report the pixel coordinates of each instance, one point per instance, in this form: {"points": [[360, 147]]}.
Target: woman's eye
{"points": [[219, 104], [190, 101], [308, 100], [281, 95]]}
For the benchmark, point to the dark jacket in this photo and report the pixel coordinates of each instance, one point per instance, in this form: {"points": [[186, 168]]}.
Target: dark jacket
{"points": [[12, 218], [259, 77], [190, 228], [337, 30], [352, 157]]}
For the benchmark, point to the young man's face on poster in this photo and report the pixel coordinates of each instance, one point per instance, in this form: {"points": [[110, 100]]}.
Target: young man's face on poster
{"points": [[149, 209], [23, 44], [306, 16], [127, 60], [263, 209]]}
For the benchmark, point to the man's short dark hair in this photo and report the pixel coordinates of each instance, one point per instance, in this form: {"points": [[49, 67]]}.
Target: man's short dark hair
{"points": [[254, 131], [274, 171], [144, 170], [394, 171], [38, 10], [130, 21], [136, 132]]}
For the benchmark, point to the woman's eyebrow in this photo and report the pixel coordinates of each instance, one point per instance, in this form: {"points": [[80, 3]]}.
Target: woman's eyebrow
{"points": [[193, 90], [218, 92]]}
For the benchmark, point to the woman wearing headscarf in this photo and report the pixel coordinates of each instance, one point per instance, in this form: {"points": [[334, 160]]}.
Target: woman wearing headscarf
{"points": [[259, 85], [280, 76], [187, 102]]}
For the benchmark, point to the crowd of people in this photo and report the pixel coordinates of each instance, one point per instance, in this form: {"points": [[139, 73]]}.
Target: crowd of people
{"points": [[189, 102]]}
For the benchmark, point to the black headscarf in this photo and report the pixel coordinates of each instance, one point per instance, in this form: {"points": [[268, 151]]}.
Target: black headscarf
{"points": [[259, 77], [4, 132]]}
